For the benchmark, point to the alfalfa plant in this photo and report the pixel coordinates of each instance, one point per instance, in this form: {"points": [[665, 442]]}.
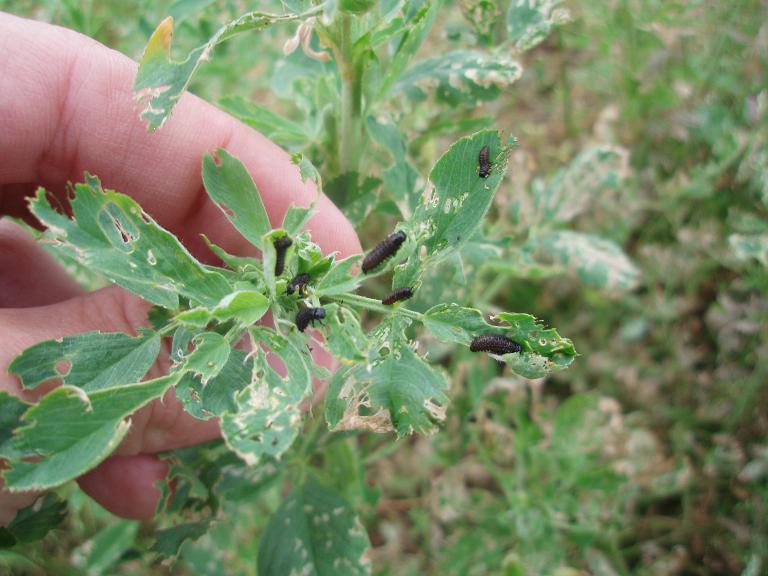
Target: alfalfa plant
{"points": [[356, 67]]}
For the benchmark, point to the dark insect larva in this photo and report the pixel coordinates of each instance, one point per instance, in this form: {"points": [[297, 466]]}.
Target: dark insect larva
{"points": [[485, 164], [494, 344], [299, 282], [307, 316], [397, 296], [281, 247], [383, 250]]}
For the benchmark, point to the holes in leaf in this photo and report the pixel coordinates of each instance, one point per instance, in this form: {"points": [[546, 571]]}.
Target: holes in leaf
{"points": [[62, 367]]}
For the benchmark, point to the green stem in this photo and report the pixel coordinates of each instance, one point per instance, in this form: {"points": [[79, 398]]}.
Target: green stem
{"points": [[376, 306], [351, 101]]}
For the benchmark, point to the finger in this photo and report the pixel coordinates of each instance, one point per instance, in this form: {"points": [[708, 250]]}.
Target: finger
{"points": [[29, 276], [67, 106], [125, 485], [161, 425]]}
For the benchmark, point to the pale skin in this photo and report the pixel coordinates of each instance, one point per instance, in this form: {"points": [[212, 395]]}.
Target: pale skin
{"points": [[65, 107]]}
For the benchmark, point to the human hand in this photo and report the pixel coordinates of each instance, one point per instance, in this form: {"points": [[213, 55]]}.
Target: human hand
{"points": [[66, 107]]}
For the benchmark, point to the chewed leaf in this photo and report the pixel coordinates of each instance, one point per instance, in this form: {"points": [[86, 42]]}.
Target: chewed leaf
{"points": [[68, 432], [527, 330], [110, 234], [217, 396], [453, 209], [209, 356], [35, 521], [90, 361], [401, 393], [595, 261], [314, 532], [168, 541], [267, 418], [583, 182], [345, 338], [232, 189], [161, 81], [462, 76], [530, 21]]}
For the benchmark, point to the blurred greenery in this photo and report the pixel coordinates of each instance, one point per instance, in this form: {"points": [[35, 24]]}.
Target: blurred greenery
{"points": [[649, 456]]}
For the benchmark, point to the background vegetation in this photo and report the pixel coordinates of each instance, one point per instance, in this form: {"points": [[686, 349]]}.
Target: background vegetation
{"points": [[648, 455]]}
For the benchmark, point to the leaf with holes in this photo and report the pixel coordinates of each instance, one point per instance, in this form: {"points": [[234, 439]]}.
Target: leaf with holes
{"points": [[90, 361], [160, 81], [453, 210], [210, 354], [268, 418], [401, 393], [68, 432], [314, 532], [462, 76], [529, 22], [110, 234], [230, 186], [593, 260]]}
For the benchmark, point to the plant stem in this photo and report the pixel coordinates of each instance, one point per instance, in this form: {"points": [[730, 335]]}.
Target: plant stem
{"points": [[376, 306], [351, 101]]}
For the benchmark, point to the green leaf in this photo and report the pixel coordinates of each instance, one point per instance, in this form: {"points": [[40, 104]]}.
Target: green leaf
{"points": [[454, 323], [168, 541], [454, 209], [209, 356], [232, 189], [748, 246], [400, 392], [415, 34], [339, 278], [529, 22], [268, 418], [213, 399], [98, 554], [528, 331], [595, 261], [11, 411], [246, 306], [182, 9], [296, 218], [275, 127], [90, 361], [111, 235], [583, 182], [314, 532], [462, 76], [69, 432], [160, 81], [35, 521], [344, 338]]}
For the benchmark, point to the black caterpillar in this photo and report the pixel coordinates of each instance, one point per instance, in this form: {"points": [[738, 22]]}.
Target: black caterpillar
{"points": [[307, 316], [397, 296], [281, 247], [485, 164], [494, 344], [299, 282], [383, 250]]}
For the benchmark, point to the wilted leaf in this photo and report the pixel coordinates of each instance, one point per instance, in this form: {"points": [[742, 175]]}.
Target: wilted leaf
{"points": [[230, 186], [314, 532], [463, 76], [90, 361], [110, 234], [595, 261], [70, 432]]}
